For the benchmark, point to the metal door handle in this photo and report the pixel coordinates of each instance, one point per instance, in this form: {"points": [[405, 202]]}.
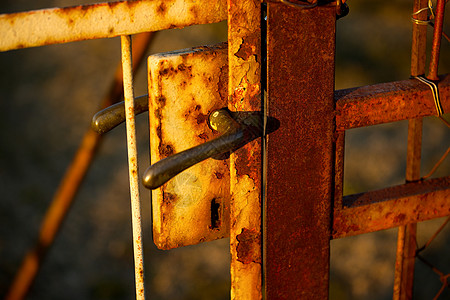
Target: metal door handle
{"points": [[234, 135], [110, 117]]}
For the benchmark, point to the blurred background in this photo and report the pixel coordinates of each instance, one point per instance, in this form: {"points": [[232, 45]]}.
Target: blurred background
{"points": [[48, 97]]}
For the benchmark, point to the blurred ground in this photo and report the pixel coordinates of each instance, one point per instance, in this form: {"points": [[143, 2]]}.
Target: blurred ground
{"points": [[48, 96]]}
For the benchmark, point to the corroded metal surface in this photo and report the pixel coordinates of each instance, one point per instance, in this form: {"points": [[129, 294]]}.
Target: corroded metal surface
{"points": [[300, 155], [184, 88], [244, 91], [406, 238], [393, 206], [419, 38], [103, 20], [437, 37], [388, 102]]}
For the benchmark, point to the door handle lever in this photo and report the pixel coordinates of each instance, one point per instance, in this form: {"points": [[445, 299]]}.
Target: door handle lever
{"points": [[234, 135], [112, 116]]}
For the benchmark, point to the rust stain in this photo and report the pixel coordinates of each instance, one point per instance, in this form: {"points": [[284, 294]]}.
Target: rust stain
{"points": [[247, 92], [248, 47], [165, 72], [204, 136], [183, 67], [162, 8], [169, 198], [113, 5], [201, 118], [194, 12], [244, 164], [196, 114], [161, 101], [249, 246], [222, 84], [166, 150]]}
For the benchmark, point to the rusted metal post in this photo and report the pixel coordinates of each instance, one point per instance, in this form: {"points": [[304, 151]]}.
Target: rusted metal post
{"points": [[300, 154], [419, 36], [437, 37], [133, 166], [244, 91], [406, 240]]}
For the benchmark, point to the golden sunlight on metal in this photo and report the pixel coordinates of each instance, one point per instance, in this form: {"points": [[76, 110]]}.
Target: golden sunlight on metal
{"points": [[104, 20], [184, 88]]}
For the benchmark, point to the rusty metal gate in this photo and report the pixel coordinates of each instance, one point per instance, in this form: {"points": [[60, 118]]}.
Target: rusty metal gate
{"points": [[263, 107]]}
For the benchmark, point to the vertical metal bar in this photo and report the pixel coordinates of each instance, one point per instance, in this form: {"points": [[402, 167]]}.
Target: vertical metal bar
{"points": [[414, 150], [406, 240], [133, 166], [419, 38], [405, 259], [300, 154], [339, 171], [437, 37], [244, 90]]}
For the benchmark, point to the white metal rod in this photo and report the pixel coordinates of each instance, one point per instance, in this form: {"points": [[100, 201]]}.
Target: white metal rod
{"points": [[133, 166]]}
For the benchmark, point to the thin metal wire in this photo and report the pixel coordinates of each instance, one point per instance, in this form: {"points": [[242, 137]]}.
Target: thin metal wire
{"points": [[435, 90], [433, 236], [422, 22], [443, 33], [444, 280], [133, 166], [429, 18], [445, 121], [442, 277], [437, 164]]}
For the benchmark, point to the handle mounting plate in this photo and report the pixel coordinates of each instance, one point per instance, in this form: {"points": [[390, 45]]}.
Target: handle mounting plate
{"points": [[184, 88]]}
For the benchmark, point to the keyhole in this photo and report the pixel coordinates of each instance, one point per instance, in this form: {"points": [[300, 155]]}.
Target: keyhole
{"points": [[215, 214]]}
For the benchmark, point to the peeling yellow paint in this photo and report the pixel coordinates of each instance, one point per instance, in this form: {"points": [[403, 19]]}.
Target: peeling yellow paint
{"points": [[184, 88], [244, 38], [104, 20]]}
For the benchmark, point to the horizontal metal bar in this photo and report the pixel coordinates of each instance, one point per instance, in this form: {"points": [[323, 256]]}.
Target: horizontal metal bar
{"points": [[104, 20], [391, 207], [388, 102]]}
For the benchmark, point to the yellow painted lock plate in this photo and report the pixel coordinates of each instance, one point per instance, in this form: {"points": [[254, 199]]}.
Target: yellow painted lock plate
{"points": [[184, 88]]}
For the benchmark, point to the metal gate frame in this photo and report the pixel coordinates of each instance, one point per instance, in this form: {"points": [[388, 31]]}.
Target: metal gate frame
{"points": [[282, 222]]}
